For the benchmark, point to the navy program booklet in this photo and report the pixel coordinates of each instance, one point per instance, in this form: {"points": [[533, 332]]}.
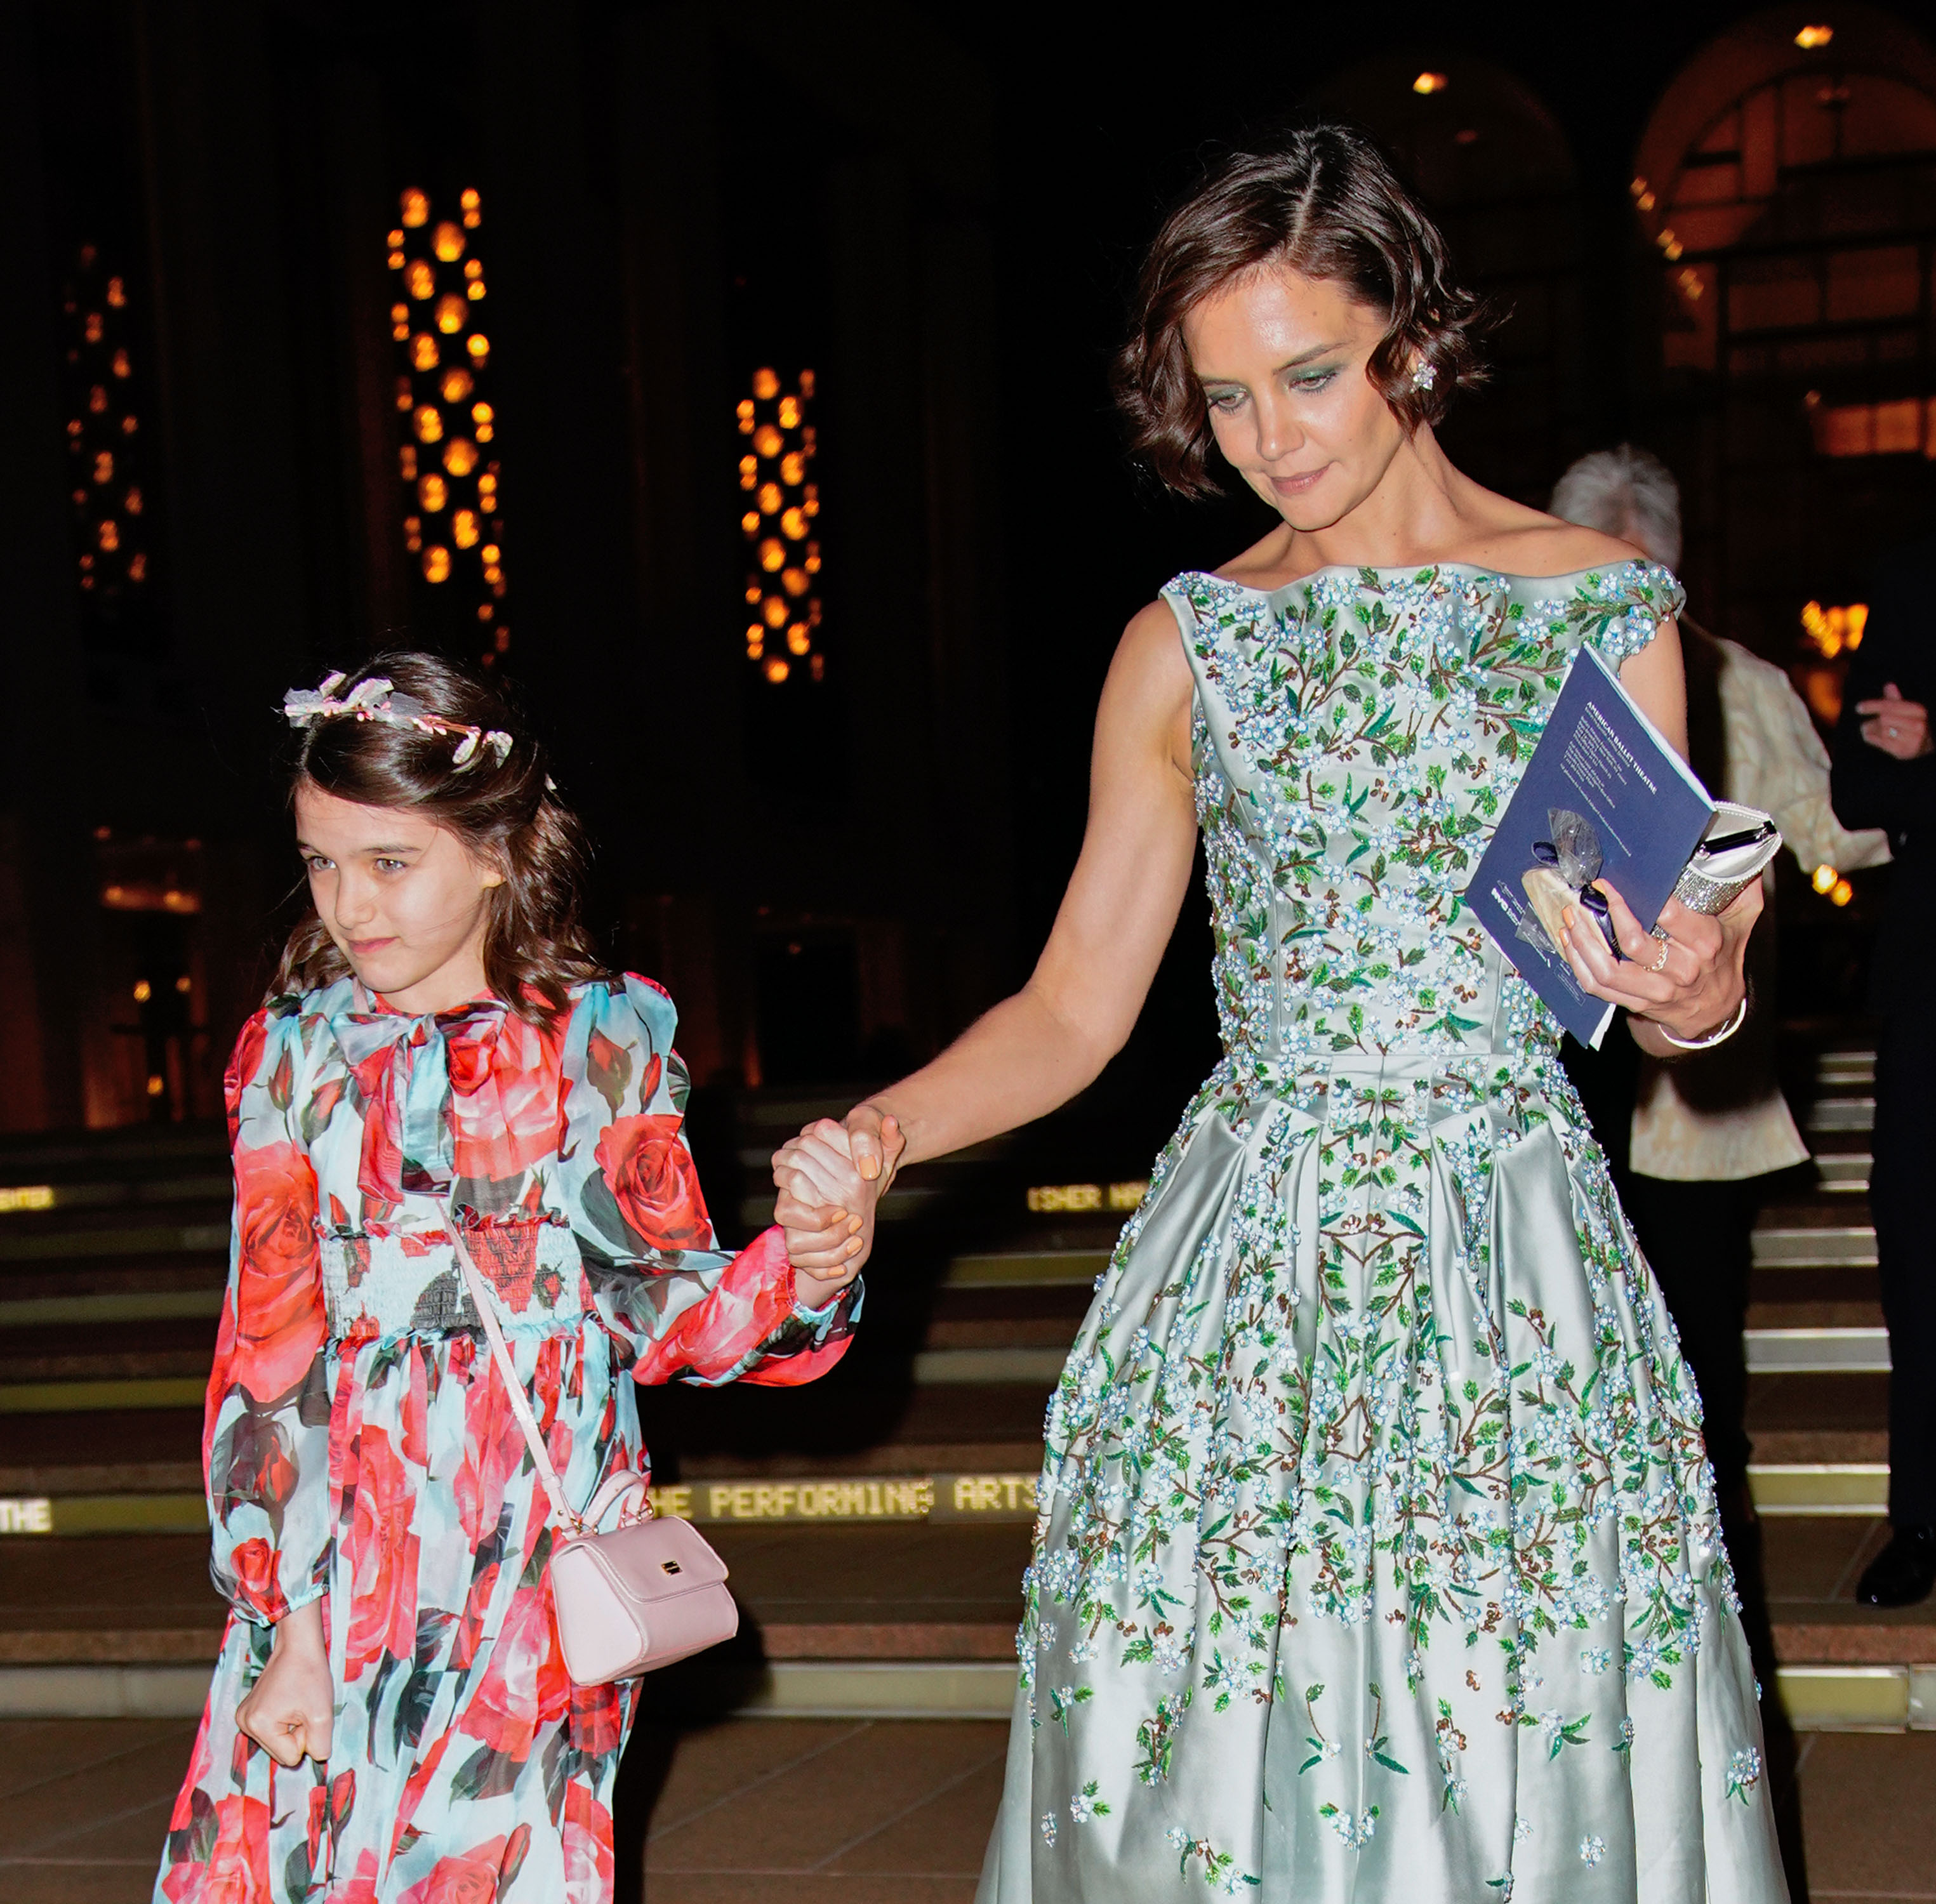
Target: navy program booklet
{"points": [[1603, 797]]}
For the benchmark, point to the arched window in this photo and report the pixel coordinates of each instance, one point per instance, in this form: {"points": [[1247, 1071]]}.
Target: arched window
{"points": [[1785, 187]]}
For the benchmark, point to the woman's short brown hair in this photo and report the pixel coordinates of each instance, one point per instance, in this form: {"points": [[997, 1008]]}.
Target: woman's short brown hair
{"points": [[1322, 202], [505, 811]]}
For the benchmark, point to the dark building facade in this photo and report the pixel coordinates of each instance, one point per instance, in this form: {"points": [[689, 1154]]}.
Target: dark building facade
{"points": [[734, 385]]}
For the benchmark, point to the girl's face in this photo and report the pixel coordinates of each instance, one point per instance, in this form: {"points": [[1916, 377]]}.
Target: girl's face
{"points": [[403, 898], [1282, 358]]}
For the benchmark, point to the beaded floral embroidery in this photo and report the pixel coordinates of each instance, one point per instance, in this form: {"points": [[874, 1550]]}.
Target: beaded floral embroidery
{"points": [[1334, 1407]]}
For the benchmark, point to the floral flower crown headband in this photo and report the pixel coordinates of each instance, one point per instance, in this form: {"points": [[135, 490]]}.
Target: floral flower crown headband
{"points": [[376, 699]]}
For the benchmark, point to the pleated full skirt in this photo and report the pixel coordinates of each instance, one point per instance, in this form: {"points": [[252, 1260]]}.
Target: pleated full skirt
{"points": [[1377, 1556]]}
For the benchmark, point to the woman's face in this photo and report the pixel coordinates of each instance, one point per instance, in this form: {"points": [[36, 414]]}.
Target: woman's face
{"points": [[402, 897], [1282, 358]]}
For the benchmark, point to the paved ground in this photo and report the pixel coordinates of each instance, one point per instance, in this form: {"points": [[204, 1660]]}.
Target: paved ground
{"points": [[804, 1811]]}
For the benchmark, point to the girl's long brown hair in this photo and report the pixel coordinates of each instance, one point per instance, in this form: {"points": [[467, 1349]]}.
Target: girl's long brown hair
{"points": [[506, 812]]}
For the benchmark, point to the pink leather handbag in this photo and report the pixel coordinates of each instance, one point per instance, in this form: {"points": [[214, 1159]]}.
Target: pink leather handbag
{"points": [[649, 1592]]}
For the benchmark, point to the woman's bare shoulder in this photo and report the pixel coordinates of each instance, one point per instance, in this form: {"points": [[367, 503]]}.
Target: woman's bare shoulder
{"points": [[1152, 648], [1146, 698], [1263, 565], [1522, 541]]}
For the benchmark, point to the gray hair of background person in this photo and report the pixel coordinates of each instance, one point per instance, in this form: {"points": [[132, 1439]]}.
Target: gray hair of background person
{"points": [[1625, 492]]}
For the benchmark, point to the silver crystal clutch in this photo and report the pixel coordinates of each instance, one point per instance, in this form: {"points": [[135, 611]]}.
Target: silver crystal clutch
{"points": [[1736, 851]]}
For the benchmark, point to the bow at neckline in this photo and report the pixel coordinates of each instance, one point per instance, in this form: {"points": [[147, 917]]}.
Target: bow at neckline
{"points": [[434, 1085]]}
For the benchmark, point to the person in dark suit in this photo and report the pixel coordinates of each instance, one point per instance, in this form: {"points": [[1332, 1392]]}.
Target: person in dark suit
{"points": [[1885, 775]]}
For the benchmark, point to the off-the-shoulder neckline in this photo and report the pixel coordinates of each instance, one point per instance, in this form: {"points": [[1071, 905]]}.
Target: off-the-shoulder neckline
{"points": [[1406, 570]]}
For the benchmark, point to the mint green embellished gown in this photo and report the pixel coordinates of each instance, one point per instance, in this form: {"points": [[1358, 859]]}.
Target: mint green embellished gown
{"points": [[1376, 1560]]}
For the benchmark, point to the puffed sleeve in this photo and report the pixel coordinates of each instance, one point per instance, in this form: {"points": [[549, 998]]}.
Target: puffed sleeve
{"points": [[687, 1310], [265, 1437]]}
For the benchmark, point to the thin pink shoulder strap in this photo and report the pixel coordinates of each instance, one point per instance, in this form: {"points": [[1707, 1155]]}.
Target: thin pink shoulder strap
{"points": [[485, 1298]]}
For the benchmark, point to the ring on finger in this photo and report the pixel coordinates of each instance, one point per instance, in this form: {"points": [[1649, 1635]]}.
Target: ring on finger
{"points": [[1660, 964]]}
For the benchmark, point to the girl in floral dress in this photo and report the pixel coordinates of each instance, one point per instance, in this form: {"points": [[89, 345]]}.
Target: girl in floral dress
{"points": [[391, 1721], [1376, 1554]]}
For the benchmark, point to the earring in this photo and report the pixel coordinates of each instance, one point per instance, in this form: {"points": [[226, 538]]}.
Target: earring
{"points": [[1424, 374]]}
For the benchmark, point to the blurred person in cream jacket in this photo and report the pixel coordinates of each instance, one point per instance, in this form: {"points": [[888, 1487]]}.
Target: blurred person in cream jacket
{"points": [[1708, 1128]]}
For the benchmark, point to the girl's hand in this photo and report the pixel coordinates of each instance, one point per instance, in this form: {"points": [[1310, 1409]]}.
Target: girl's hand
{"points": [[826, 1201], [290, 1710], [1689, 983]]}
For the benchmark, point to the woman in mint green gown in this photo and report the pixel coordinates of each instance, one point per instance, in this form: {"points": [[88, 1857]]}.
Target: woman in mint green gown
{"points": [[1377, 1555]]}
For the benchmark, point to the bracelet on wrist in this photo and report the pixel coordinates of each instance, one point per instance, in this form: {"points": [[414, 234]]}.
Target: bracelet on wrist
{"points": [[1720, 1035]]}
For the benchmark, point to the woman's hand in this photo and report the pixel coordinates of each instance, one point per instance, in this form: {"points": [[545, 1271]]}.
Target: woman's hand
{"points": [[830, 1178], [1689, 983], [290, 1710]]}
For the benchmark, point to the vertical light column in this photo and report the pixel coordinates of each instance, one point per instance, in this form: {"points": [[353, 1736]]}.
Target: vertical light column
{"points": [[452, 519], [103, 439], [783, 579]]}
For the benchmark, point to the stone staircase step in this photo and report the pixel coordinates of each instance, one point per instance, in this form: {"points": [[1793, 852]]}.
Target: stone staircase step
{"points": [[1813, 1489], [1818, 1350], [1035, 1268], [1848, 1113], [1844, 1172], [97, 1307], [1786, 1244], [93, 1397], [25, 1205], [181, 1345], [147, 1239], [1836, 1070]]}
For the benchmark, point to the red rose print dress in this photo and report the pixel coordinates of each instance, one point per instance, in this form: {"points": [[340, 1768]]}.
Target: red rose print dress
{"points": [[360, 1450]]}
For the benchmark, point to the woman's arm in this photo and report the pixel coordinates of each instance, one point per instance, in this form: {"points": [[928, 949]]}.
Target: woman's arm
{"points": [[1035, 1050], [1693, 986]]}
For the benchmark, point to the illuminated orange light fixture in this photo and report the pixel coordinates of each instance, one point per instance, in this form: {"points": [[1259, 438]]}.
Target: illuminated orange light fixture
{"points": [[780, 582], [1811, 39], [438, 269], [1426, 82], [1830, 630]]}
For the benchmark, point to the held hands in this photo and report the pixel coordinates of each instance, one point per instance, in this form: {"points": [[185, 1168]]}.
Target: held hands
{"points": [[830, 1178], [290, 1710], [1900, 728], [1688, 983]]}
